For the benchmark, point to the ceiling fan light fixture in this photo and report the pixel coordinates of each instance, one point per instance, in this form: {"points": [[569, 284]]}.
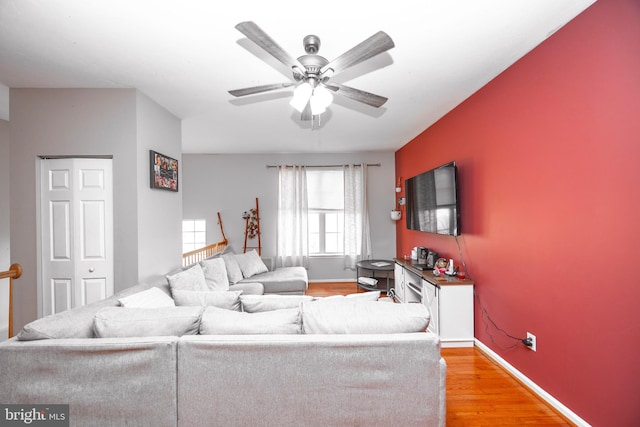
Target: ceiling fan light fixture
{"points": [[301, 96], [320, 100]]}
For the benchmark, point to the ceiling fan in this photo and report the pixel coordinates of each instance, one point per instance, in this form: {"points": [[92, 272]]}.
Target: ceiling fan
{"points": [[312, 73]]}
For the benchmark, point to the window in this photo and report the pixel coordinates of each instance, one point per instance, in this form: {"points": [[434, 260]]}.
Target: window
{"points": [[194, 234], [325, 193]]}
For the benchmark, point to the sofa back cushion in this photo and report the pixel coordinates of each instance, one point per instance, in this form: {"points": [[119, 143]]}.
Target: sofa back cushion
{"points": [[78, 322], [250, 264], [75, 323], [215, 274], [360, 296], [229, 300], [191, 279], [116, 322], [344, 316], [217, 321], [259, 303], [233, 268], [149, 298]]}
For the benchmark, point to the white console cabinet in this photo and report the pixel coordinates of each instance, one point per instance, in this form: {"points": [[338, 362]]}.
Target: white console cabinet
{"points": [[407, 284], [449, 299], [398, 289]]}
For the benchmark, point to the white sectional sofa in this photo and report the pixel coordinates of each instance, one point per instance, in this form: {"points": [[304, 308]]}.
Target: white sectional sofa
{"points": [[244, 271], [278, 361]]}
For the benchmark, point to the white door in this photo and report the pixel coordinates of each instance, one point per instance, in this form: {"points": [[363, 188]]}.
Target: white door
{"points": [[76, 202]]}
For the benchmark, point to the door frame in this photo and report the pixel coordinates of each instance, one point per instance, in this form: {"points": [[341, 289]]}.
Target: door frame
{"points": [[38, 166]]}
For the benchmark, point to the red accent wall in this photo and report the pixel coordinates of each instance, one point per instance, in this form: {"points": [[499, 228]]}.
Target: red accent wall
{"points": [[549, 170]]}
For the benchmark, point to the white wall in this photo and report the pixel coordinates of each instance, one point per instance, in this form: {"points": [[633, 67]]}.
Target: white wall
{"points": [[229, 184], [74, 122], [159, 211], [5, 254]]}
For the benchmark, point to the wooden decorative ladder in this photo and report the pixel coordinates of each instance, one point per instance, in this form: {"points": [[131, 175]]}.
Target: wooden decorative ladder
{"points": [[252, 228]]}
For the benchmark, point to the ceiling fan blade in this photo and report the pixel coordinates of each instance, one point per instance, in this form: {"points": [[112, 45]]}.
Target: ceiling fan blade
{"points": [[357, 94], [262, 39], [259, 89], [376, 44]]}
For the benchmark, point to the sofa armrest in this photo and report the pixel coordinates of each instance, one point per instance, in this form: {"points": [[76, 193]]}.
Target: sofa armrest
{"points": [[105, 381], [269, 261]]}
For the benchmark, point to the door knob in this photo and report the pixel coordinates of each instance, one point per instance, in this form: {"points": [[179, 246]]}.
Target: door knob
{"points": [[91, 270]]}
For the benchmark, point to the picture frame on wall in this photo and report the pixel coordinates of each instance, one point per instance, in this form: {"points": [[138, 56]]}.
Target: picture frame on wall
{"points": [[164, 171]]}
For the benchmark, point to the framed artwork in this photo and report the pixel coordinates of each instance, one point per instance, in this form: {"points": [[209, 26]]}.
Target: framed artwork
{"points": [[164, 172]]}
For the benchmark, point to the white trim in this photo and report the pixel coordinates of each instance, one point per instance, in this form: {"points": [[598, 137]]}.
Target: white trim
{"points": [[351, 280], [555, 403]]}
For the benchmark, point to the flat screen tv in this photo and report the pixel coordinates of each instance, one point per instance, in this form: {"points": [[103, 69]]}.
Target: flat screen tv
{"points": [[432, 201]]}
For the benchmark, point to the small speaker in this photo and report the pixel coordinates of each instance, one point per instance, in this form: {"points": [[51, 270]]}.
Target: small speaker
{"points": [[432, 257]]}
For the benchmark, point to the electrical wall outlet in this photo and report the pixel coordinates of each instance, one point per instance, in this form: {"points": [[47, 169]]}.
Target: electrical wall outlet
{"points": [[532, 339]]}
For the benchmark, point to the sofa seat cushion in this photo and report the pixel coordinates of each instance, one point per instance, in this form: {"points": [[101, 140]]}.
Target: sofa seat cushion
{"points": [[117, 322], [217, 321], [363, 317], [282, 280], [252, 288], [260, 303]]}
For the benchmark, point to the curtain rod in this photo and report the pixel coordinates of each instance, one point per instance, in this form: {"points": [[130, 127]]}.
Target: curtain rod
{"points": [[325, 166]]}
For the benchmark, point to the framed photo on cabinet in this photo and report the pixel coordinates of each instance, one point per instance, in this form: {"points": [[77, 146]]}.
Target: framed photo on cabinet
{"points": [[164, 172]]}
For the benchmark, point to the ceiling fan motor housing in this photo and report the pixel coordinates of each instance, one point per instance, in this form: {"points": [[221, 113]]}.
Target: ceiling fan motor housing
{"points": [[311, 44], [313, 64], [312, 61]]}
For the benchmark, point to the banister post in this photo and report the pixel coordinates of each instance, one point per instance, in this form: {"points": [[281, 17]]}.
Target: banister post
{"points": [[15, 271]]}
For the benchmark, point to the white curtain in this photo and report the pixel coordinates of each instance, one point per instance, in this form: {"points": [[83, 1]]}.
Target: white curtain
{"points": [[357, 238], [291, 241]]}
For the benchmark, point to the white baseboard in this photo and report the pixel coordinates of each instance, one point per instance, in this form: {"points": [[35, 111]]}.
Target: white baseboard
{"points": [[555, 403], [4, 333]]}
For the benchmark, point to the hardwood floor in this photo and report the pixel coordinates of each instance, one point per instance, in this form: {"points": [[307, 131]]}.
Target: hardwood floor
{"points": [[479, 392], [333, 288]]}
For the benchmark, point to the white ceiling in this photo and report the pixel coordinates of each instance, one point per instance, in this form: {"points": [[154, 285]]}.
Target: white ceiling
{"points": [[186, 54]]}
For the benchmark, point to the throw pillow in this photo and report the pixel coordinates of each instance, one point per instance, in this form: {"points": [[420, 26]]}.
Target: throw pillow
{"points": [[229, 300], [150, 298], [216, 321], [365, 317], [116, 322], [191, 279], [233, 268], [215, 274], [250, 264], [259, 303]]}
